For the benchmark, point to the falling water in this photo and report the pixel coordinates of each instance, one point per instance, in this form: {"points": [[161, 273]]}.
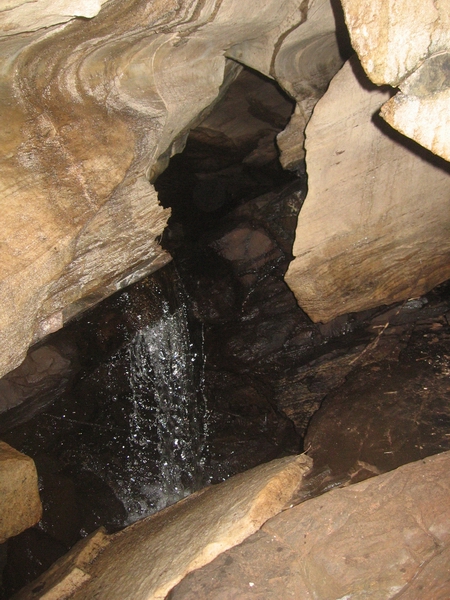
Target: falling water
{"points": [[168, 424]]}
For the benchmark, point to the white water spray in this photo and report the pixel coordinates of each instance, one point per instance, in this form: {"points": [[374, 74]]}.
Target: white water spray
{"points": [[168, 424]]}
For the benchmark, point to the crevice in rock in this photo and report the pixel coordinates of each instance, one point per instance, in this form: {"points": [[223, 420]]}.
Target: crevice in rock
{"points": [[220, 191]]}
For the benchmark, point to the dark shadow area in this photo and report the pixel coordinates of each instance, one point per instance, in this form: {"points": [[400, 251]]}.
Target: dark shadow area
{"points": [[364, 81], [342, 35], [228, 160]]}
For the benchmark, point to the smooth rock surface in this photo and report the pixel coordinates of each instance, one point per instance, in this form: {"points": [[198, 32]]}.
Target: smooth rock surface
{"points": [[307, 60], [374, 226], [384, 538], [148, 558], [20, 505], [95, 107]]}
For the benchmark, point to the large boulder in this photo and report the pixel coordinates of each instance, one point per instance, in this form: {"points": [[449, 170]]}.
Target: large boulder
{"points": [[145, 560], [374, 226], [406, 44], [384, 538]]}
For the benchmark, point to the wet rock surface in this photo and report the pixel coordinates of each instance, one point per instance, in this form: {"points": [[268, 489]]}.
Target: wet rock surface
{"points": [[394, 405], [264, 375], [147, 559], [41, 378]]}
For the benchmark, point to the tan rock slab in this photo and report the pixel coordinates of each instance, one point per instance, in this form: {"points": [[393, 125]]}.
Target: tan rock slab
{"points": [[400, 43], [384, 538], [305, 63], [424, 115], [20, 505], [148, 558], [392, 38], [374, 226], [69, 572]]}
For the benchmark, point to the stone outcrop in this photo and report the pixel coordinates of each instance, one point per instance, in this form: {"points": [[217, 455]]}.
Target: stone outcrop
{"points": [[384, 538], [20, 505], [148, 558], [44, 372], [374, 226], [95, 106], [392, 405], [363, 228], [307, 60], [407, 45]]}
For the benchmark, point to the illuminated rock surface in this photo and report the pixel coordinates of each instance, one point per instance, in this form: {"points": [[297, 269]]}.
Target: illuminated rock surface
{"points": [[20, 506], [406, 45], [148, 558], [384, 538], [373, 228]]}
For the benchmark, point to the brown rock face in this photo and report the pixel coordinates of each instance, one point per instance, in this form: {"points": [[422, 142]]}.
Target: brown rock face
{"points": [[20, 505], [95, 106], [96, 97], [147, 559], [384, 538], [373, 228]]}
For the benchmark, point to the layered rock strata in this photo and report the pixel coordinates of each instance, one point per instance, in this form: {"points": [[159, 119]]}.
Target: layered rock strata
{"points": [[387, 537], [147, 559], [95, 100]]}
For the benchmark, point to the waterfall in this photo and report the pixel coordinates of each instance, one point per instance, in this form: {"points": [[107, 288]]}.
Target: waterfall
{"points": [[168, 421]]}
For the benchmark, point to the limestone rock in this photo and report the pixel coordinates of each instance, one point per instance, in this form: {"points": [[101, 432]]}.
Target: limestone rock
{"points": [[19, 16], [96, 97], [20, 505], [94, 107], [406, 44], [374, 226], [387, 537], [420, 109], [148, 558], [307, 60]]}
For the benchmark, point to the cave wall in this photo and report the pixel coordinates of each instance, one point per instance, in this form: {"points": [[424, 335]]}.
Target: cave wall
{"points": [[374, 227], [95, 98]]}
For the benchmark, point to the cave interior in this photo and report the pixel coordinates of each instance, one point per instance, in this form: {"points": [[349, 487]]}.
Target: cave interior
{"points": [[266, 380]]}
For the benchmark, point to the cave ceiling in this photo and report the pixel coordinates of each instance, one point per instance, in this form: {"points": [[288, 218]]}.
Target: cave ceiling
{"points": [[96, 97]]}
